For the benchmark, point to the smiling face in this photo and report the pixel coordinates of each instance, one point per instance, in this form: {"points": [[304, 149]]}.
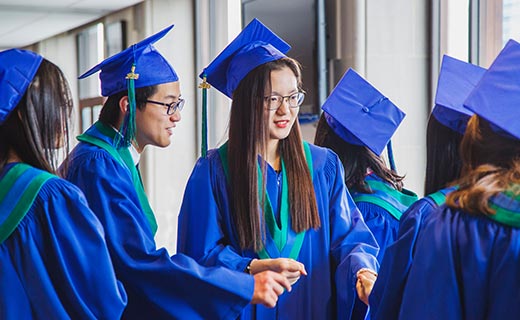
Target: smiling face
{"points": [[280, 121], [154, 126]]}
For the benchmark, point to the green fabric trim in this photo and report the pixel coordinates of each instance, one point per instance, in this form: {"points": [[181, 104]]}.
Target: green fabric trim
{"points": [[26, 199], [405, 198], [438, 197], [504, 216], [124, 158], [278, 233]]}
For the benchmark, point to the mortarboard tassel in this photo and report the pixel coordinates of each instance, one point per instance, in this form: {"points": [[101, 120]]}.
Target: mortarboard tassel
{"points": [[128, 128], [391, 156], [204, 143]]}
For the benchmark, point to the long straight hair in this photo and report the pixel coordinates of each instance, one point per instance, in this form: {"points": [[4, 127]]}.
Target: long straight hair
{"points": [[248, 136], [355, 159], [443, 162], [39, 125], [491, 165]]}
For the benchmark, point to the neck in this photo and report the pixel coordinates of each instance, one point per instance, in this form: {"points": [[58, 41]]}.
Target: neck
{"points": [[138, 147], [13, 157], [273, 156]]}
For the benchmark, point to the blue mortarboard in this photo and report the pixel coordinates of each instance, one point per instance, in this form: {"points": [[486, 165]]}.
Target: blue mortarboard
{"points": [[360, 114], [140, 65], [456, 80], [255, 45], [496, 97], [150, 65], [17, 69]]}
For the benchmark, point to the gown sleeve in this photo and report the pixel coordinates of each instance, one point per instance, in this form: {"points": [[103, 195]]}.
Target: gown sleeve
{"points": [[200, 231], [56, 263], [385, 299], [353, 246], [158, 286]]}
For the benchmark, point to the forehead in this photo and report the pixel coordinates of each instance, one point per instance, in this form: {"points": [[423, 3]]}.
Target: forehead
{"points": [[169, 89], [283, 79]]}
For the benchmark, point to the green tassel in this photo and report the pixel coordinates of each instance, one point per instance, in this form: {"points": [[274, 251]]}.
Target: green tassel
{"points": [[204, 143], [127, 129]]}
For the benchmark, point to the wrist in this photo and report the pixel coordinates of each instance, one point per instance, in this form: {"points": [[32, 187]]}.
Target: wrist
{"points": [[248, 267], [360, 271]]}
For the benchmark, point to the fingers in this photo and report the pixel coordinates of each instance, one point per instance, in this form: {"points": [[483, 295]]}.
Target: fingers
{"points": [[364, 284], [268, 286]]}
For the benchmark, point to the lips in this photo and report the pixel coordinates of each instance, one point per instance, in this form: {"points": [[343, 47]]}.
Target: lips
{"points": [[281, 123]]}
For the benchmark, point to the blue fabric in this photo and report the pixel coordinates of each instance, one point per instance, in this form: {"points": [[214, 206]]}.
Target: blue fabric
{"points": [[456, 80], [151, 66], [332, 254], [56, 264], [17, 69], [386, 296], [158, 286], [355, 105], [497, 96], [465, 267], [254, 46]]}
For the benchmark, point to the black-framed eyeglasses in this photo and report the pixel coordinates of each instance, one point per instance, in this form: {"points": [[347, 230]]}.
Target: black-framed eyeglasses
{"points": [[171, 107], [295, 100]]}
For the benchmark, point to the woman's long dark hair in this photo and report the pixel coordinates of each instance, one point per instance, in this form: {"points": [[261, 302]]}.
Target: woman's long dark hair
{"points": [[356, 159], [39, 124], [443, 163], [248, 136], [491, 164]]}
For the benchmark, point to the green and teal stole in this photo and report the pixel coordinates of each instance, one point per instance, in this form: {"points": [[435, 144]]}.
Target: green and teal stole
{"points": [[18, 190], [393, 201], [439, 197], [507, 207], [124, 158], [284, 242]]}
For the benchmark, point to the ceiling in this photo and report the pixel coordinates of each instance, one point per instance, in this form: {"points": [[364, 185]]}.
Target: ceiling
{"points": [[24, 22]]}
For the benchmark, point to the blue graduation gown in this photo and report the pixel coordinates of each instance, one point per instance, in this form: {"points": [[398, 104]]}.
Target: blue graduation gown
{"points": [[56, 265], [386, 295], [332, 254], [383, 225], [158, 286]]}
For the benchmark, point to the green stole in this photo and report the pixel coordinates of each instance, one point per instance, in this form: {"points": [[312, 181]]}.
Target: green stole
{"points": [[284, 246], [386, 197], [18, 189], [507, 207], [124, 158]]}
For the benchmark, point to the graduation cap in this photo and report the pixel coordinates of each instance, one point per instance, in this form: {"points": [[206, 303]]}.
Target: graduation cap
{"points": [[254, 46], [140, 65], [456, 80], [361, 115], [17, 70], [496, 97]]}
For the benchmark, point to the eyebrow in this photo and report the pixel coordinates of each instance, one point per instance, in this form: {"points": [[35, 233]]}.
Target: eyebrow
{"points": [[171, 96], [279, 94]]}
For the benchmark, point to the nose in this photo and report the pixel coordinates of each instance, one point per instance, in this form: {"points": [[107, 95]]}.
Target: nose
{"points": [[176, 116], [284, 107]]}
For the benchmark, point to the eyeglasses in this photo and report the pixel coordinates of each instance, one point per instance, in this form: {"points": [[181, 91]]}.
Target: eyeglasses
{"points": [[172, 107], [274, 101]]}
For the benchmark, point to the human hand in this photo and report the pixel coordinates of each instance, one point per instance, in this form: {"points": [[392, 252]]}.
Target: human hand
{"points": [[268, 286], [289, 268], [364, 284]]}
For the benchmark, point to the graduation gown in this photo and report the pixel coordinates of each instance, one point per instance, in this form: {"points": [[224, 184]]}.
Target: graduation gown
{"points": [[464, 267], [382, 212], [331, 254], [386, 295], [158, 286], [55, 264]]}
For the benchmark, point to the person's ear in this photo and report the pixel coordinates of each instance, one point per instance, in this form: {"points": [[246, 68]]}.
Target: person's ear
{"points": [[123, 104]]}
